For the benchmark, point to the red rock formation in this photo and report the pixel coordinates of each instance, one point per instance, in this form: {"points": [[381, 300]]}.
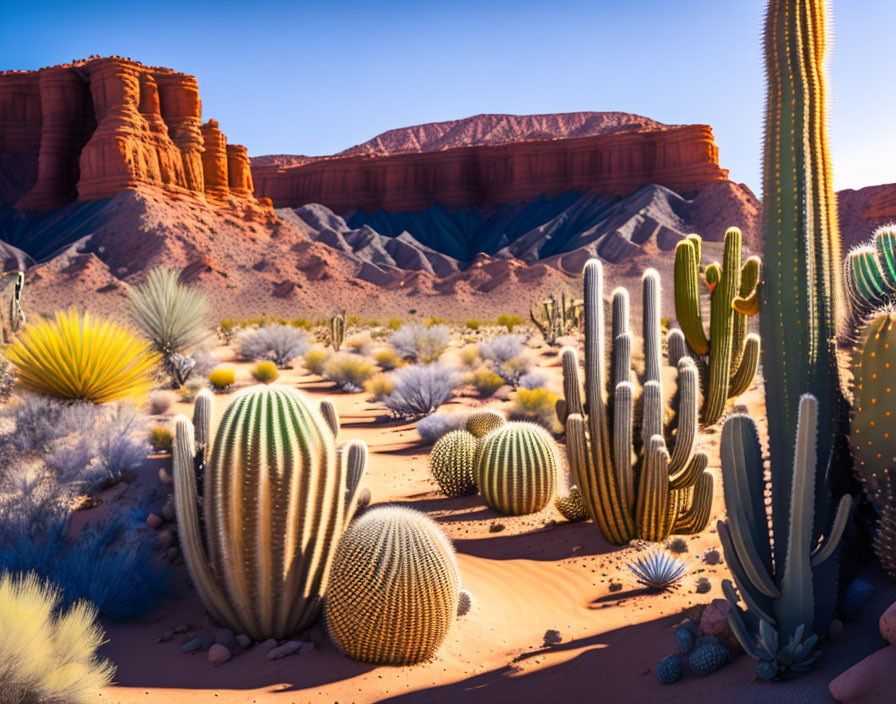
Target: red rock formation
{"points": [[682, 158], [94, 128], [239, 175]]}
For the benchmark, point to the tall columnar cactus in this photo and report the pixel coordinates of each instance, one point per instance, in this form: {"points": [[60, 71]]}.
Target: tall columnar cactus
{"points": [[801, 293], [785, 601], [394, 587], [556, 318], [273, 511], [516, 468], [659, 492], [451, 463], [729, 356], [202, 424], [337, 330], [872, 435], [870, 272]]}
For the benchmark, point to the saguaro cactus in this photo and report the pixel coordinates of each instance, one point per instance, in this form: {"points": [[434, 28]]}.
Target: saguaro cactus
{"points": [[274, 507], [658, 493], [729, 356], [556, 317], [337, 330], [801, 294], [787, 602]]}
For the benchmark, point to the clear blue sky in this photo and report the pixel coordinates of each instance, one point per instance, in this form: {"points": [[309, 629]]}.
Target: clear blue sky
{"points": [[315, 77]]}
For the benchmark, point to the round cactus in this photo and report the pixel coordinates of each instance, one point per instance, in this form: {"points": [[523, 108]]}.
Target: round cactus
{"points": [[481, 423], [451, 463], [669, 669], [706, 658], [464, 602], [571, 506], [516, 468], [394, 588], [684, 637]]}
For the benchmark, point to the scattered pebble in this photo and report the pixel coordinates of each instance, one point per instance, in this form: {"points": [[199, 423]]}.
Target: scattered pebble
{"points": [[154, 521], [243, 641], [290, 647], [219, 654]]}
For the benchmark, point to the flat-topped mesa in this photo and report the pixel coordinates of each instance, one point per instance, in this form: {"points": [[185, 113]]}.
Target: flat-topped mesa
{"points": [[684, 158], [88, 130]]}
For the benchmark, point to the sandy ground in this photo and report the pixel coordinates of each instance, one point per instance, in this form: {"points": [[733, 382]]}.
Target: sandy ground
{"points": [[538, 573]]}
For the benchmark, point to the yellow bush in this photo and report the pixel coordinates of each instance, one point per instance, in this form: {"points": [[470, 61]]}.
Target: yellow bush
{"points": [[469, 356], [265, 372], [379, 387], [161, 438], [78, 356], [315, 360], [485, 381], [510, 321], [222, 378], [387, 359], [536, 405], [48, 655]]}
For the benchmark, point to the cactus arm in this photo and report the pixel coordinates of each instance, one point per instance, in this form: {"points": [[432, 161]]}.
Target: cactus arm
{"points": [[623, 416], [687, 296], [747, 301], [690, 473], [746, 370], [746, 586], [571, 384], [622, 359], [652, 329], [677, 347], [736, 621], [331, 416], [826, 549], [185, 505], [652, 413], [696, 517], [652, 512], [686, 434], [354, 458], [620, 317], [797, 605]]}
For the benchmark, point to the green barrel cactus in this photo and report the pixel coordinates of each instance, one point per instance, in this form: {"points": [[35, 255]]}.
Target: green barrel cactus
{"points": [[516, 468], [394, 588], [451, 463], [729, 357], [797, 596], [273, 509], [656, 493], [482, 422], [870, 272]]}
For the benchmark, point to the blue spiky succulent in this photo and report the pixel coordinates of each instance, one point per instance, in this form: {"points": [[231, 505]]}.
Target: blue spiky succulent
{"points": [[658, 570], [776, 662]]}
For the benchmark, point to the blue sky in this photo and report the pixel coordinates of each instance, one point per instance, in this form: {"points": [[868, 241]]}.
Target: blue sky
{"points": [[314, 77]]}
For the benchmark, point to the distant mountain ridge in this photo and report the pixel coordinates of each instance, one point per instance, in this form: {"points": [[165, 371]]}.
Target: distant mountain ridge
{"points": [[497, 128]]}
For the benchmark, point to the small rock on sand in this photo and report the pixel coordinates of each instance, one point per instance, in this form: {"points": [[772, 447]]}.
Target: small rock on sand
{"points": [[290, 647], [244, 641], [154, 521], [225, 637], [714, 622], [219, 654]]}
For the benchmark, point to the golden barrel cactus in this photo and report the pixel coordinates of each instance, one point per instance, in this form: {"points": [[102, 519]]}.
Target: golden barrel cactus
{"points": [[480, 423], [394, 588], [451, 463]]}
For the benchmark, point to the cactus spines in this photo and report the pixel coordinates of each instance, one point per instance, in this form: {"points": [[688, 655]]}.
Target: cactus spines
{"points": [[331, 416], [202, 424], [354, 455], [516, 468], [629, 495], [730, 356], [571, 506], [482, 422], [274, 509], [451, 463], [870, 271], [394, 588], [337, 330], [801, 289]]}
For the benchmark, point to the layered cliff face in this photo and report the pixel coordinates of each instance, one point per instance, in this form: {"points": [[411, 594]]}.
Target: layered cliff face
{"points": [[683, 158], [89, 130]]}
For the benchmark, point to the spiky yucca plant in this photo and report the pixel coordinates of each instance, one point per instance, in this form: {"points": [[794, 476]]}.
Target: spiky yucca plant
{"points": [[657, 569], [170, 314], [77, 356], [394, 588], [273, 507], [48, 656]]}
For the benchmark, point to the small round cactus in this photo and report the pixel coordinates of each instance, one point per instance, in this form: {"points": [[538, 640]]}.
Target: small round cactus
{"points": [[571, 506], [451, 463], [669, 669], [481, 423], [712, 556], [464, 602], [394, 588], [707, 657], [684, 637], [703, 585], [516, 468]]}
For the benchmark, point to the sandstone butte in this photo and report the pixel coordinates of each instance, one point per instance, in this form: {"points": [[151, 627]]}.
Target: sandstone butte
{"points": [[684, 158], [91, 129]]}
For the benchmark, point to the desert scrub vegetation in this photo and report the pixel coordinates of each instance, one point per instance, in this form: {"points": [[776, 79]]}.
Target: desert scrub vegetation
{"points": [[172, 316], [420, 389], [485, 381], [159, 402], [349, 371], [379, 386], [387, 359], [417, 342], [360, 343], [48, 656], [265, 372], [535, 405], [82, 358], [506, 356], [160, 437], [473, 325], [276, 343], [435, 425], [315, 359], [469, 356], [509, 321], [222, 378]]}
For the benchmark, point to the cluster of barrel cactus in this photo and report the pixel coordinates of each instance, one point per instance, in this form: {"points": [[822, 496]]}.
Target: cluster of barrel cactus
{"points": [[704, 654], [659, 493], [513, 465], [729, 357], [556, 318], [260, 509]]}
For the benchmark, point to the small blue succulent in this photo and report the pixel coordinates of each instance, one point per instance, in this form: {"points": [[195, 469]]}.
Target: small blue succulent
{"points": [[766, 671], [658, 570], [708, 657], [685, 640], [669, 669], [855, 596]]}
